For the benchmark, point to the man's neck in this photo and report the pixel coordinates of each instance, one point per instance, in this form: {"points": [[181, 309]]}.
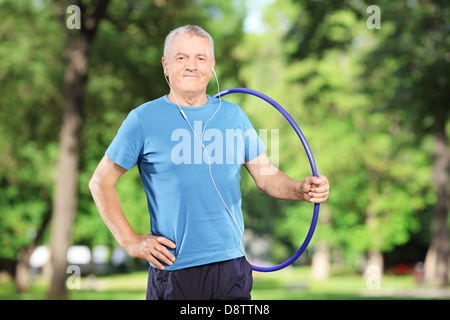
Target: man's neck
{"points": [[189, 99]]}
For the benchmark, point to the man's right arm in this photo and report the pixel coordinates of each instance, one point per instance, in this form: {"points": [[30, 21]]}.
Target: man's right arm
{"points": [[103, 190]]}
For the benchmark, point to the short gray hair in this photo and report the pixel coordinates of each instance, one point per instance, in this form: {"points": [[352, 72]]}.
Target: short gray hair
{"points": [[188, 29]]}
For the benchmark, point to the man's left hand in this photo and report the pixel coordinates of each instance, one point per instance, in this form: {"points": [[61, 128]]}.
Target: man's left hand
{"points": [[315, 189]]}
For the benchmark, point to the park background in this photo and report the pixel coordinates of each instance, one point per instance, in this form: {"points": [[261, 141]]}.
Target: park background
{"points": [[369, 89]]}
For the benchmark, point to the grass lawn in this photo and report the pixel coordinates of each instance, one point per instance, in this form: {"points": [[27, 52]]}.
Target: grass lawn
{"points": [[287, 284]]}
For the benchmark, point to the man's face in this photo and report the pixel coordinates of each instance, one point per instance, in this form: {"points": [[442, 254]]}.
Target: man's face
{"points": [[189, 63]]}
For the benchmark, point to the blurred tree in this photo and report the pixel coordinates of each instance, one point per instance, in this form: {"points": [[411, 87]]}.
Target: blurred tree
{"points": [[407, 74], [77, 48], [378, 177], [382, 66], [30, 94]]}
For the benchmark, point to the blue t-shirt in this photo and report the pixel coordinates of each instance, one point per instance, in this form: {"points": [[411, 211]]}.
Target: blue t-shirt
{"points": [[182, 201]]}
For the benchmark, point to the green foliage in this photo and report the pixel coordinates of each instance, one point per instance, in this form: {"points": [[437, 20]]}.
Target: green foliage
{"points": [[366, 101], [318, 65], [30, 92]]}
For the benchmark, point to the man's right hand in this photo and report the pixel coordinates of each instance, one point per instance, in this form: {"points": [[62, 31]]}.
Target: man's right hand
{"points": [[148, 247], [151, 248]]}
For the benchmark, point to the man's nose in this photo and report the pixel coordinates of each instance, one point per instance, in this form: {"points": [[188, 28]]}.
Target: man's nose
{"points": [[191, 66]]}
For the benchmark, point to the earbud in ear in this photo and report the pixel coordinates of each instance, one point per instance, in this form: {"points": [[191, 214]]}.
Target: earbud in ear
{"points": [[165, 70]]}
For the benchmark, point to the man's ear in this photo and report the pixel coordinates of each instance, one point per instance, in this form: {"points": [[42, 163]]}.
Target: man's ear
{"points": [[164, 64], [213, 64]]}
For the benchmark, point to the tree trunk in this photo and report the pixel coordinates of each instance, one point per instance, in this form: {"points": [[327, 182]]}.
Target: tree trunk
{"points": [[437, 259], [22, 276], [77, 48], [375, 260], [374, 256], [320, 265], [65, 198], [321, 260]]}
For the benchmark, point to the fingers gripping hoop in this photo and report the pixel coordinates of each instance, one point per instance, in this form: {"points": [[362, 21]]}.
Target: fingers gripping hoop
{"points": [[311, 161]]}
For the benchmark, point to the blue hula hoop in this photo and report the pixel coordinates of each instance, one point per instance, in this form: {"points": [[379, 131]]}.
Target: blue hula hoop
{"points": [[311, 161]]}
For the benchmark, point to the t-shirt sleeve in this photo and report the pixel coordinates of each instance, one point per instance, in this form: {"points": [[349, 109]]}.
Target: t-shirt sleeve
{"points": [[126, 148], [254, 146]]}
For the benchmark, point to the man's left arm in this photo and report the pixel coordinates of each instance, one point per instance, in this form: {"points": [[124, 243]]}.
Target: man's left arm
{"points": [[277, 184]]}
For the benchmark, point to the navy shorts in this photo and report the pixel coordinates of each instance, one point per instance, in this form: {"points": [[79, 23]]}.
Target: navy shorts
{"points": [[225, 280]]}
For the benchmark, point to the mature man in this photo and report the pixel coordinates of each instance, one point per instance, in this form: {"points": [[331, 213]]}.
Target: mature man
{"points": [[195, 246]]}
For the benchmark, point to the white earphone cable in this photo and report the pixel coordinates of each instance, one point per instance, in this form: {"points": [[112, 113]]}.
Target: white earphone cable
{"points": [[200, 139]]}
